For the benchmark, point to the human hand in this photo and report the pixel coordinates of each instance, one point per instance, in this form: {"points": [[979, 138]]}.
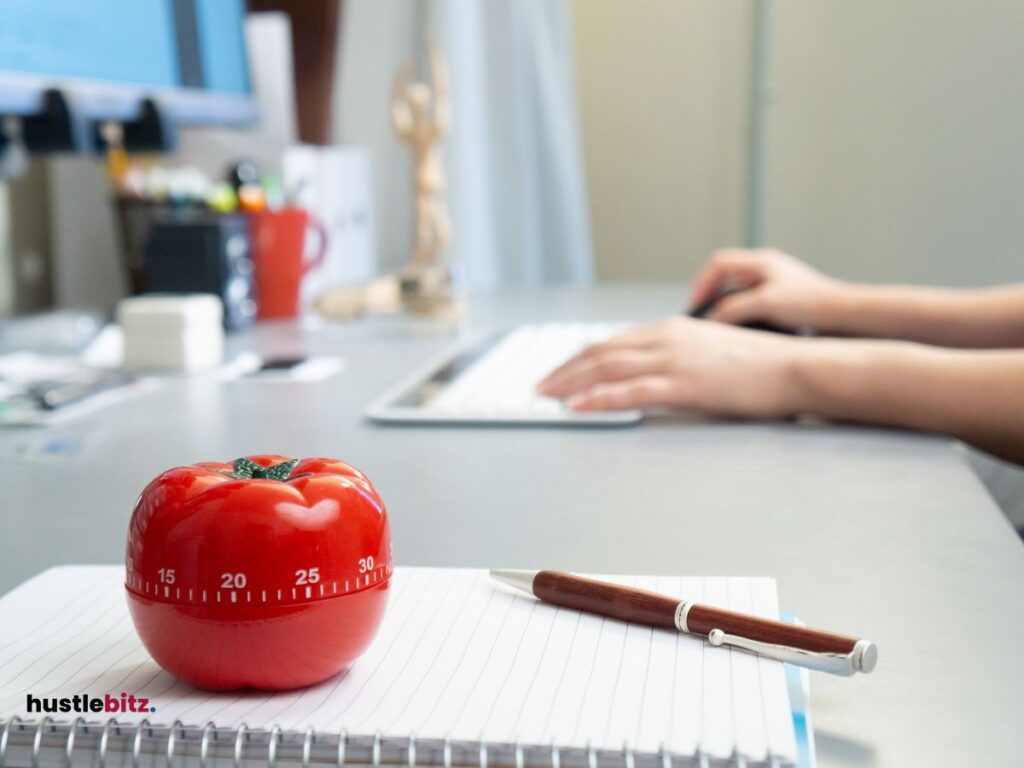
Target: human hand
{"points": [[776, 288], [683, 363]]}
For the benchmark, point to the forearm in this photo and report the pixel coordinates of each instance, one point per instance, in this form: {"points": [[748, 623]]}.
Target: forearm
{"points": [[991, 317], [977, 396]]}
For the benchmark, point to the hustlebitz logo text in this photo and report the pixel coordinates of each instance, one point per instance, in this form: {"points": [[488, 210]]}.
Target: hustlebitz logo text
{"points": [[83, 703]]}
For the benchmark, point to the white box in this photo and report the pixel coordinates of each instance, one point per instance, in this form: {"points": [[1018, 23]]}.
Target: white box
{"points": [[172, 332], [334, 185]]}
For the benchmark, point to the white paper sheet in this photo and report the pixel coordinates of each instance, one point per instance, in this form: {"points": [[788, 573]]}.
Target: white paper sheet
{"points": [[458, 656]]}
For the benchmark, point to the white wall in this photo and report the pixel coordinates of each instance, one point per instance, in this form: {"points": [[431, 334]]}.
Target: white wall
{"points": [[663, 100], [367, 66], [896, 136], [86, 257]]}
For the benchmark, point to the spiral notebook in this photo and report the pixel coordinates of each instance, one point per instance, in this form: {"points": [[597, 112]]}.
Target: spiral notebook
{"points": [[462, 672]]}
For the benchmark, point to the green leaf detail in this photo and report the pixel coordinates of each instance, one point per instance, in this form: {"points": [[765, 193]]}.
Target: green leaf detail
{"points": [[280, 471], [244, 469]]}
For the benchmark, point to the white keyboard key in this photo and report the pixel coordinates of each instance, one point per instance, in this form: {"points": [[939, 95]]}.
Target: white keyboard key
{"points": [[500, 386]]}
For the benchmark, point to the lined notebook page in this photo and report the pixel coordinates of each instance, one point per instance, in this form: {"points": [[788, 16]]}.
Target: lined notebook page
{"points": [[458, 656]]}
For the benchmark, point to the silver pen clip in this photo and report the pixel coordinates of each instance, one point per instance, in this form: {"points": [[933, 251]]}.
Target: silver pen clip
{"points": [[862, 658]]}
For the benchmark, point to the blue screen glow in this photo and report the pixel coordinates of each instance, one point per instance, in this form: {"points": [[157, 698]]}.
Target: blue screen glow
{"points": [[125, 41]]}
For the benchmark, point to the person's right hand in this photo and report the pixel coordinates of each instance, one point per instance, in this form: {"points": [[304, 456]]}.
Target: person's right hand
{"points": [[777, 289]]}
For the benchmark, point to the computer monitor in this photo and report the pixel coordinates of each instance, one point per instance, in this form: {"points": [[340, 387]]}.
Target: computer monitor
{"points": [[188, 56]]}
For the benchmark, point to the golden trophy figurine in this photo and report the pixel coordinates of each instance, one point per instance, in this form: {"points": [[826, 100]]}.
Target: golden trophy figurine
{"points": [[421, 115]]}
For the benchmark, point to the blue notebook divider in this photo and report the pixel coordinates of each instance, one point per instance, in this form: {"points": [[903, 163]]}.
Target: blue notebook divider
{"points": [[798, 682]]}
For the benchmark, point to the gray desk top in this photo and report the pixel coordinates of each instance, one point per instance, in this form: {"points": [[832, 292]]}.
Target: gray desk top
{"points": [[877, 533]]}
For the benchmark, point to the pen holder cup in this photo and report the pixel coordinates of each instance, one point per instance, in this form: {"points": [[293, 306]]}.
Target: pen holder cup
{"points": [[281, 258]]}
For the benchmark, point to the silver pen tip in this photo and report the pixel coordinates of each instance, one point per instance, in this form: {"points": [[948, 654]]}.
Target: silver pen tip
{"points": [[518, 579]]}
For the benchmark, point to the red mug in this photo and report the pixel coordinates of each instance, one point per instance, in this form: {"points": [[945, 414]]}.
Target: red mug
{"points": [[278, 241]]}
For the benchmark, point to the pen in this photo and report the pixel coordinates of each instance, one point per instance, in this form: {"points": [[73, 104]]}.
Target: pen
{"points": [[55, 395], [811, 648]]}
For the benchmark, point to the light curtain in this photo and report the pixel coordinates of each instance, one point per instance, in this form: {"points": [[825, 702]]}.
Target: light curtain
{"points": [[516, 184]]}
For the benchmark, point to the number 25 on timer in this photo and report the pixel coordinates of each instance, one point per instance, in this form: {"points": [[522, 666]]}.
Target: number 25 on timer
{"points": [[267, 572]]}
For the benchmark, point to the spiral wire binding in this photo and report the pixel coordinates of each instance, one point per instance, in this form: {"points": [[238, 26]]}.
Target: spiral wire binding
{"points": [[101, 752], [144, 733], [275, 737], [136, 743], [342, 746], [4, 737], [171, 737], [204, 743], [69, 743], [666, 757], [307, 745], [240, 736], [37, 740]]}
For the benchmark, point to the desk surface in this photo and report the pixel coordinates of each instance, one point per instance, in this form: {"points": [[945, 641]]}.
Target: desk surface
{"points": [[882, 534]]}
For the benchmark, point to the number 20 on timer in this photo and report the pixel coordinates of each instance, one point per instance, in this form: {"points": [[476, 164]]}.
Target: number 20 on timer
{"points": [[267, 572]]}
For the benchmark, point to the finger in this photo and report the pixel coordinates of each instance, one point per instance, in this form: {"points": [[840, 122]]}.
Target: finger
{"points": [[624, 395], [739, 266], [586, 372], [638, 337], [739, 308], [550, 385]]}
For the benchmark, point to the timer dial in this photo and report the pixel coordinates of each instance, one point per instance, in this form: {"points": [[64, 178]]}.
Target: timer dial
{"points": [[268, 572]]}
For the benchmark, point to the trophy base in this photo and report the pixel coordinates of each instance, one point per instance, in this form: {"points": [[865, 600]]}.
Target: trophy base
{"points": [[428, 292], [418, 291]]}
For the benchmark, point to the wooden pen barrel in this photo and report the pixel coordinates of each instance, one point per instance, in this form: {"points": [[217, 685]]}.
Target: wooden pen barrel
{"points": [[701, 619], [613, 600], [641, 607]]}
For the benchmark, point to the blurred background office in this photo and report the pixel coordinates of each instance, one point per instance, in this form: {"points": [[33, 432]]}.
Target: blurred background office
{"points": [[591, 140], [594, 139]]}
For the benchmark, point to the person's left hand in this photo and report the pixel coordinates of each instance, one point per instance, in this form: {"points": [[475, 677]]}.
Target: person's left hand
{"points": [[683, 363]]}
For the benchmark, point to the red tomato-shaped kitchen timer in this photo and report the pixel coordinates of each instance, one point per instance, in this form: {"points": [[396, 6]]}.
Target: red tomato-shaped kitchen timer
{"points": [[269, 572]]}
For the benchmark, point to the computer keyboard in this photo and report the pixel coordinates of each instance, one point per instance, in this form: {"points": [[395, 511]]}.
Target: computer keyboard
{"points": [[494, 381]]}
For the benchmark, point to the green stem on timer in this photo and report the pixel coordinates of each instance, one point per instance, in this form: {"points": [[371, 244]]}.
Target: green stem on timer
{"points": [[244, 469]]}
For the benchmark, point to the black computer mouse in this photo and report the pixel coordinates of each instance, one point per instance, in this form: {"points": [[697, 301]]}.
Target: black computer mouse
{"points": [[702, 310]]}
